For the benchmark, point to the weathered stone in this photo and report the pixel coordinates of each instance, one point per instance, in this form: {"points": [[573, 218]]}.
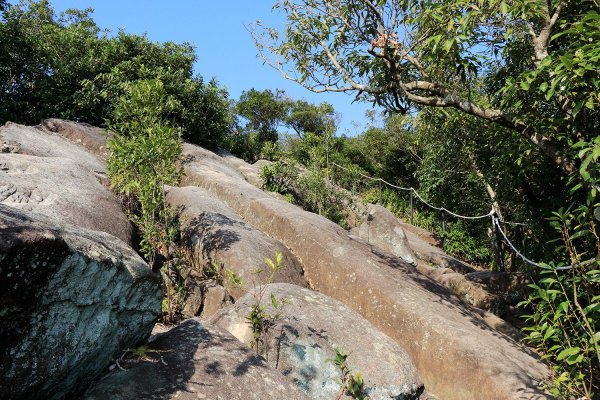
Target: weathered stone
{"points": [[456, 349], [382, 228], [310, 328], [89, 137], [59, 179], [471, 292], [60, 188], [71, 299], [510, 286], [195, 360], [215, 298], [212, 232], [35, 141], [427, 249]]}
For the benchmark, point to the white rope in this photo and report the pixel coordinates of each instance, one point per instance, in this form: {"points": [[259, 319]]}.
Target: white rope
{"points": [[527, 260], [443, 209], [492, 214]]}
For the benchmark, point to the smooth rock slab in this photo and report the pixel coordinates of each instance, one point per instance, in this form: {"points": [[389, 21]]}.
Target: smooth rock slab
{"points": [[457, 351], [70, 301], [382, 228], [199, 361], [212, 231], [44, 172], [306, 336]]}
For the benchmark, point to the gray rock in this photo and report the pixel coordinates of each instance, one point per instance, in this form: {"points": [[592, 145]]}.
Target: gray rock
{"points": [[382, 229], [35, 141], [457, 349], [89, 137], [310, 328], [195, 360], [71, 300], [52, 176], [62, 189], [212, 232], [215, 297]]}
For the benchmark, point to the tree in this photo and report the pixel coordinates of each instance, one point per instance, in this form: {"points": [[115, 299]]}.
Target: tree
{"points": [[305, 117], [65, 66], [403, 54], [264, 111]]}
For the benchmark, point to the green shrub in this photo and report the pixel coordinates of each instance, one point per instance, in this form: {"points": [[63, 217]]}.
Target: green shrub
{"points": [[564, 324], [142, 159], [279, 177], [318, 196]]}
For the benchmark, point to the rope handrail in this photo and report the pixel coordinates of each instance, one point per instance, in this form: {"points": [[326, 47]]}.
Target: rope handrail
{"points": [[443, 209], [495, 220], [527, 260]]}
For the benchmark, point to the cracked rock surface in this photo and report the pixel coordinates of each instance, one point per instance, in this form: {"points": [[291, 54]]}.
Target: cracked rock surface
{"points": [[52, 176], [196, 360], [71, 300], [305, 336]]}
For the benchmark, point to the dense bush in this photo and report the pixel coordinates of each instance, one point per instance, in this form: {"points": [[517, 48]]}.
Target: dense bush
{"points": [[142, 159], [67, 67]]}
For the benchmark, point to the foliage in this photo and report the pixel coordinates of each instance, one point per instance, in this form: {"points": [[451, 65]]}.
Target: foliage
{"points": [[565, 302], [304, 117], [279, 177], [351, 384], [264, 111], [318, 195], [258, 318], [260, 114], [142, 157], [404, 55], [67, 67], [271, 151], [565, 323]]}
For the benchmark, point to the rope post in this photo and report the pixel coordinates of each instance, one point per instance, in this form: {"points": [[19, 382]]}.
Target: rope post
{"points": [[411, 207], [499, 252], [443, 229], [380, 195]]}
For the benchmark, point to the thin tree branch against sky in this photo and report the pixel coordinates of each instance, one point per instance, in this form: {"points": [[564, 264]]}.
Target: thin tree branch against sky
{"points": [[224, 47]]}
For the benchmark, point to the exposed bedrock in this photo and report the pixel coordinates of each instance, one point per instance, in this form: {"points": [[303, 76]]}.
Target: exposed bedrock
{"points": [[302, 340], [195, 360], [71, 300], [212, 232], [457, 351]]}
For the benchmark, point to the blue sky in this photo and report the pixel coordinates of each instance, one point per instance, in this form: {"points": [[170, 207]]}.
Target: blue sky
{"points": [[223, 45]]}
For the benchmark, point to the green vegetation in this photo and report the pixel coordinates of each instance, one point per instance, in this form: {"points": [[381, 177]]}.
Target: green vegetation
{"points": [[501, 102], [67, 67], [258, 318], [351, 384], [489, 106], [143, 153]]}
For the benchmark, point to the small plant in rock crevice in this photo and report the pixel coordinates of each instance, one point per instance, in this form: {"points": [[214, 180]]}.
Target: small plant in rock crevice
{"points": [[142, 159], [258, 318], [351, 384]]}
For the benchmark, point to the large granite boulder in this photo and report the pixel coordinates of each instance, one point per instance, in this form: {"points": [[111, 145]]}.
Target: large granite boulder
{"points": [[212, 232], [303, 339], [195, 360], [457, 350], [71, 300], [43, 172], [91, 138], [382, 229]]}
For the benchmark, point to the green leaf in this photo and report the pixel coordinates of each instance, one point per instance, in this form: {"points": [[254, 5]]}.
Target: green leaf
{"points": [[568, 352], [274, 301]]}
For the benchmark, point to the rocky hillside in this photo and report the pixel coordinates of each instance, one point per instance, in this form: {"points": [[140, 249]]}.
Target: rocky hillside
{"points": [[79, 304]]}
